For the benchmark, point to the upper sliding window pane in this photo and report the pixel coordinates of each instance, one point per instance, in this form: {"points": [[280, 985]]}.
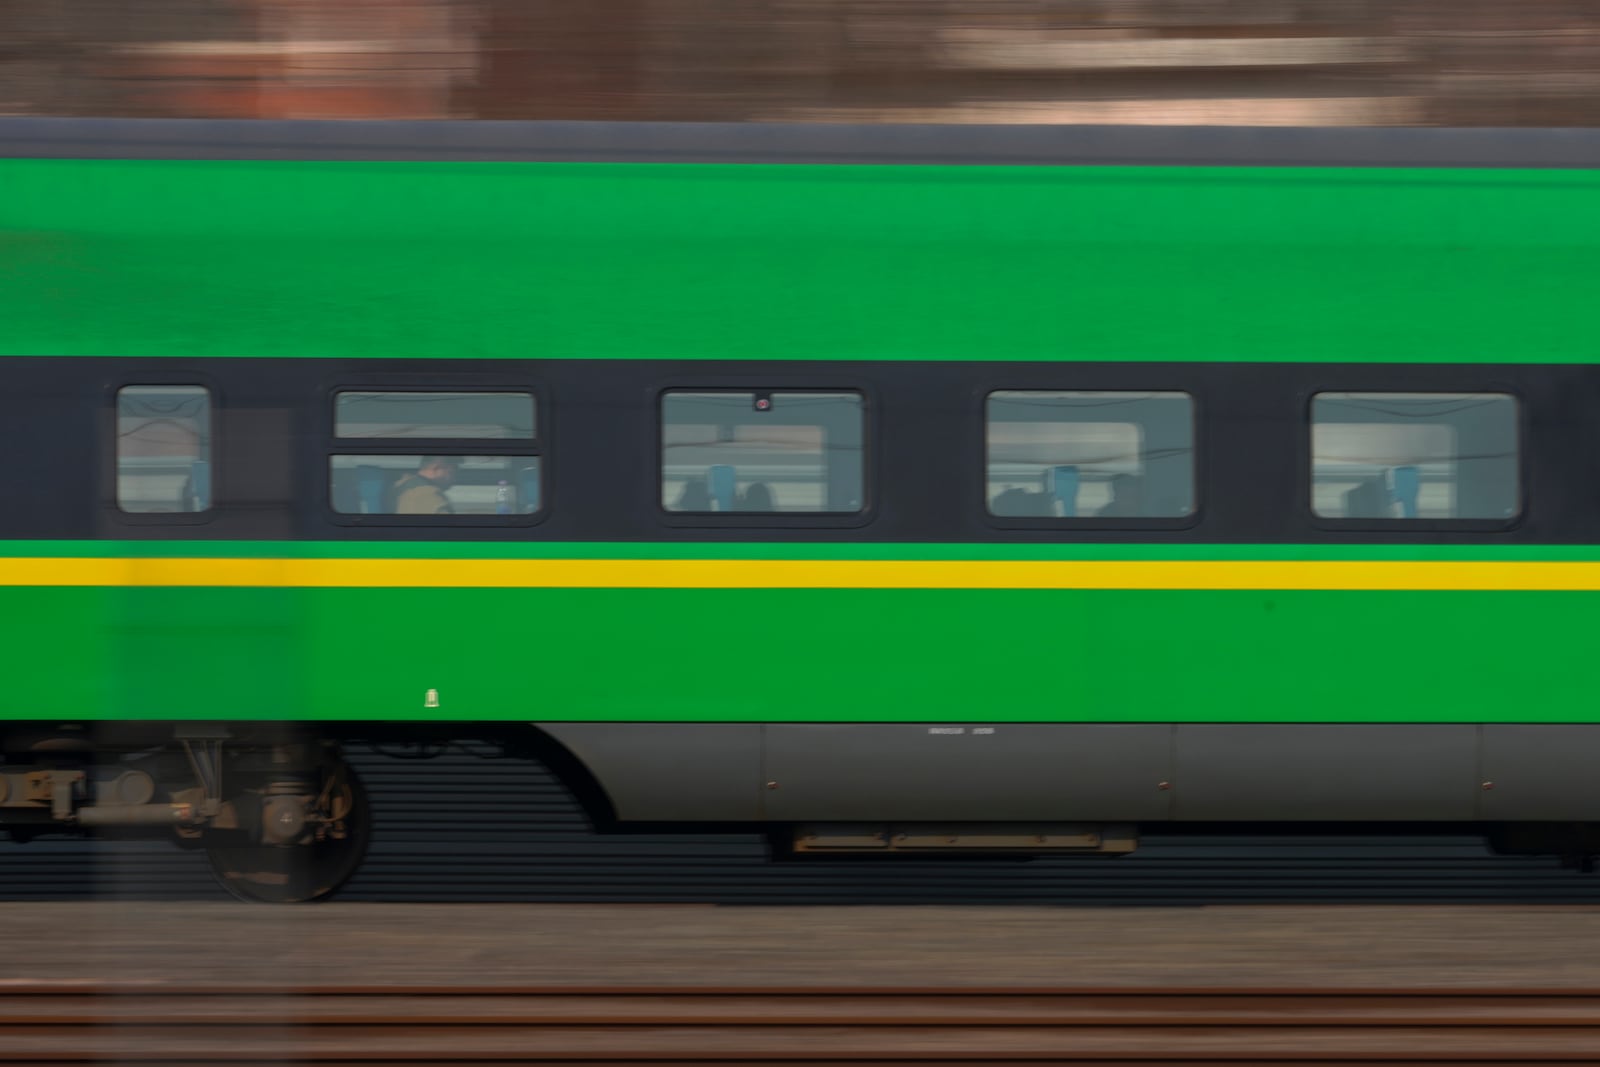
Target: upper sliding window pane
{"points": [[768, 452], [1090, 455], [164, 448], [500, 416], [1414, 456]]}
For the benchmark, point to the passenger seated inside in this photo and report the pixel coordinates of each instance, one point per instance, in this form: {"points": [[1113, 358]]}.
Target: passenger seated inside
{"points": [[374, 488], [1369, 500], [1127, 497], [422, 492], [696, 496], [756, 497], [722, 481], [1020, 502], [196, 492], [1061, 490]]}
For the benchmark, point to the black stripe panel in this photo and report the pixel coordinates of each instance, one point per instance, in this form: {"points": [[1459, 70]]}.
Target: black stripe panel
{"points": [[925, 437]]}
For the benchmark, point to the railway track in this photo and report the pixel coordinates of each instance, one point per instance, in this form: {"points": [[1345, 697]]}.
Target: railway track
{"points": [[61, 1023]]}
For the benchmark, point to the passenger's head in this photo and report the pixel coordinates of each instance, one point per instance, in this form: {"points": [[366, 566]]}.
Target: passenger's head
{"points": [[1016, 501], [440, 470], [1127, 497], [757, 498], [696, 496]]}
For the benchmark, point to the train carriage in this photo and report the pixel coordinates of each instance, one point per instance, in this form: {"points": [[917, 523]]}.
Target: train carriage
{"points": [[896, 489]]}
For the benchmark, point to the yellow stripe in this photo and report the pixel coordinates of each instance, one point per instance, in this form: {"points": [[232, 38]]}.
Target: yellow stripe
{"points": [[802, 574]]}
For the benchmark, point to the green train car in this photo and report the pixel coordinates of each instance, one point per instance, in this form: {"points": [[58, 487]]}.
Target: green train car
{"points": [[896, 489]]}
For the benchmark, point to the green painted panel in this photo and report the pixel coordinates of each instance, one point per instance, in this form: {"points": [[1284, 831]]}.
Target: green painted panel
{"points": [[799, 655], [198, 258], [781, 550]]}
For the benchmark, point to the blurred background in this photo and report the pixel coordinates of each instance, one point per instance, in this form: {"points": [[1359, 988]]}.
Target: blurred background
{"points": [[1209, 62]]}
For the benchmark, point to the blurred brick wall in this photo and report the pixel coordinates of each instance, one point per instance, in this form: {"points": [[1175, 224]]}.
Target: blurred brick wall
{"points": [[237, 58], [1304, 62]]}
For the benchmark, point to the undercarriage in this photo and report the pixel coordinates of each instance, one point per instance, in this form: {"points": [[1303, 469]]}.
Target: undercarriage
{"points": [[282, 816]]}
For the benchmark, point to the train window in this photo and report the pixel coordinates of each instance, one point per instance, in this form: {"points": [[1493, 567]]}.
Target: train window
{"points": [[1090, 455], [435, 485], [164, 448], [1414, 456], [421, 455], [762, 452], [452, 415]]}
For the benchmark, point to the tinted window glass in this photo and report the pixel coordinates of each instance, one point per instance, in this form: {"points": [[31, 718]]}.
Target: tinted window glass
{"points": [[1414, 455], [1090, 455], [454, 415], [163, 448], [435, 485], [762, 452]]}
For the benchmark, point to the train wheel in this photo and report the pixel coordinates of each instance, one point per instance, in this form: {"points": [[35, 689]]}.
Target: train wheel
{"points": [[337, 828]]}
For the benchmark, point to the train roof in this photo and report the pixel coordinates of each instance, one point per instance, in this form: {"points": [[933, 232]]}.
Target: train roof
{"points": [[650, 142]]}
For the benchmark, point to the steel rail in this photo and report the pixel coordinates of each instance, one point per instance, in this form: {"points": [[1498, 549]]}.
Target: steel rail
{"points": [[147, 1023]]}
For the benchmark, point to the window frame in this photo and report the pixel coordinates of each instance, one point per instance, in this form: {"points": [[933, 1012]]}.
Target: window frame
{"points": [[333, 446], [1092, 522], [113, 462], [794, 520], [1306, 471]]}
